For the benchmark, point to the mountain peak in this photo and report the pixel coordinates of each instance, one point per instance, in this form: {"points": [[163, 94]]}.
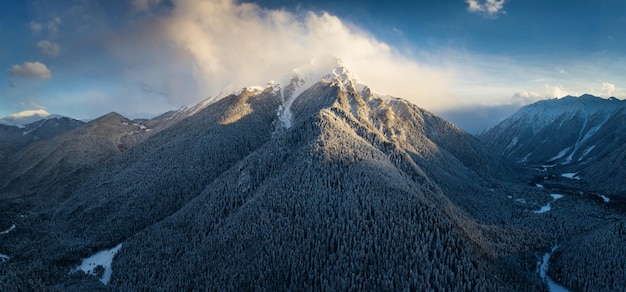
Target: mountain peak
{"points": [[110, 117], [320, 69], [325, 69], [544, 112], [24, 117]]}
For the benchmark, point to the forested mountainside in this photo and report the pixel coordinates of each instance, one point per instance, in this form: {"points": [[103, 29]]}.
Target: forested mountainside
{"points": [[317, 184], [38, 167], [576, 145], [63, 149], [581, 135], [14, 137]]}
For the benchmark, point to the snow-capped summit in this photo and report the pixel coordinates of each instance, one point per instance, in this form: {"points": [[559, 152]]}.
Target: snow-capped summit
{"points": [[326, 69], [25, 117], [288, 86], [544, 112], [584, 135], [291, 86]]}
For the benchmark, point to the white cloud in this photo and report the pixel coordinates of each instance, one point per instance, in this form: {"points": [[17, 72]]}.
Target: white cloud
{"points": [[555, 91], [609, 87], [30, 70], [29, 113], [527, 97], [246, 44], [49, 48], [487, 7], [35, 27]]}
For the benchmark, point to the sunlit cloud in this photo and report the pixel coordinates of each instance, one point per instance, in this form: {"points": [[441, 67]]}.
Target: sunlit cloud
{"points": [[30, 70], [244, 44], [527, 97], [29, 113], [555, 90], [609, 87], [487, 7]]}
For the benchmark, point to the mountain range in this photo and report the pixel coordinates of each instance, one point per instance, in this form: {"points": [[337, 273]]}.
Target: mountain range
{"points": [[583, 136], [15, 136], [314, 181]]}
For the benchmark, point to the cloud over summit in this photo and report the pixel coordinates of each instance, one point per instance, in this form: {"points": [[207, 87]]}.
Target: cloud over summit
{"points": [[609, 87], [241, 44]]}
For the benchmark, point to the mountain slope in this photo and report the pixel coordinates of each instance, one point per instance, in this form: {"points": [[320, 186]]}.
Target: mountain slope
{"points": [[15, 137], [327, 203], [581, 135], [41, 164], [137, 188]]}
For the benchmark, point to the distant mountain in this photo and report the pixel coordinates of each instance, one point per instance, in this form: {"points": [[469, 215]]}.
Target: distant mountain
{"points": [[583, 135], [15, 136], [26, 117], [312, 182], [41, 164]]}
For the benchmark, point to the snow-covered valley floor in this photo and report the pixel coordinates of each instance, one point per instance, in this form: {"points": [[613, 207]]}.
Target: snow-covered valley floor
{"points": [[548, 206], [102, 258]]}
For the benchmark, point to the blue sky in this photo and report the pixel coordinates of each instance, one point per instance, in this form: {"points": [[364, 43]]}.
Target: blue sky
{"points": [[471, 61]]}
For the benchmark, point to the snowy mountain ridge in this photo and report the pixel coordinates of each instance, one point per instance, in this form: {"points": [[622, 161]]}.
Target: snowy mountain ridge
{"points": [[582, 135], [544, 112], [290, 86]]}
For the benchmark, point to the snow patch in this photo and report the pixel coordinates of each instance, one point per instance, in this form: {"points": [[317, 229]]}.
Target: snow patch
{"points": [[556, 196], [561, 154], [141, 127], [9, 230], [4, 258], [586, 152], [571, 175], [548, 206], [604, 198], [525, 158], [103, 258], [512, 143]]}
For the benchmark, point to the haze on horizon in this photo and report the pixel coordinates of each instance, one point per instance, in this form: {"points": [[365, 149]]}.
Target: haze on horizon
{"points": [[473, 62]]}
